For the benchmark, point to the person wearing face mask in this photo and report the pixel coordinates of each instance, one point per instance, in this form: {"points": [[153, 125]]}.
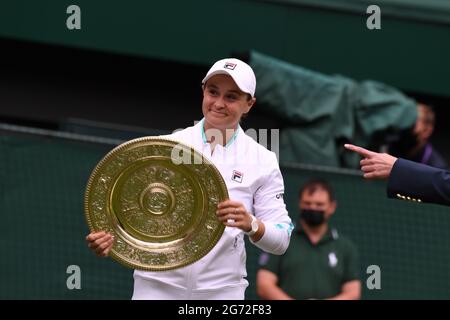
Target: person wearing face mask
{"points": [[414, 144], [319, 263]]}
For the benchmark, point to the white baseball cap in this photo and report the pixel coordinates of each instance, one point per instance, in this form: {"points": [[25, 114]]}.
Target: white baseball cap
{"points": [[241, 73]]}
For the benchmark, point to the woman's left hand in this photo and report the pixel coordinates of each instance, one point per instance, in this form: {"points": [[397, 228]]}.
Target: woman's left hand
{"points": [[233, 214]]}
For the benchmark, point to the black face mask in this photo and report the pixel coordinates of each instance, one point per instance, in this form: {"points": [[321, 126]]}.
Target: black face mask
{"points": [[405, 142], [312, 218]]}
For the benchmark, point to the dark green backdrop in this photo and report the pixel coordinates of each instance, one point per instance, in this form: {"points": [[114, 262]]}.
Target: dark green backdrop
{"points": [[408, 54]]}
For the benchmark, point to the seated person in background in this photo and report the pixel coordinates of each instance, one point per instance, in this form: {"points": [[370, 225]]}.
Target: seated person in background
{"points": [[414, 145], [319, 263]]}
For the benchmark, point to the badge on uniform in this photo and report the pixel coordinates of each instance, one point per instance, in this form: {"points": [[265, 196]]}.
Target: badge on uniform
{"points": [[263, 259], [332, 259], [237, 176]]}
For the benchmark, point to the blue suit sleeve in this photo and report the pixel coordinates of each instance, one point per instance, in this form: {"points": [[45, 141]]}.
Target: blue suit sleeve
{"points": [[414, 181]]}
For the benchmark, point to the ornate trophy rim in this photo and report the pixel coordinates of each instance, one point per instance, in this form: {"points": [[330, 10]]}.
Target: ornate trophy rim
{"points": [[120, 233]]}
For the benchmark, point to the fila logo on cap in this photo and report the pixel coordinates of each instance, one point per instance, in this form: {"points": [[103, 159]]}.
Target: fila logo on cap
{"points": [[237, 176], [230, 65]]}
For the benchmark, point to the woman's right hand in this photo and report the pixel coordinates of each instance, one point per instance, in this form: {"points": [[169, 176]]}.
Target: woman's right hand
{"points": [[100, 242]]}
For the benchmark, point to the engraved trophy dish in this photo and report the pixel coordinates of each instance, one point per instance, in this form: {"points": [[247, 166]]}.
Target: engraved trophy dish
{"points": [[158, 198]]}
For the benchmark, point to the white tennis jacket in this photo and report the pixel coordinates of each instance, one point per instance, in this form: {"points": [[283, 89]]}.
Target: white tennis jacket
{"points": [[253, 177]]}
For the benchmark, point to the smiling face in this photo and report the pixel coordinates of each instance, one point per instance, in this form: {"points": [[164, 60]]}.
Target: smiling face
{"points": [[224, 103]]}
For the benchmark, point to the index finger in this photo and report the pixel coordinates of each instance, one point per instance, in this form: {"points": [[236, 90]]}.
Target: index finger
{"points": [[361, 151], [96, 235], [229, 203]]}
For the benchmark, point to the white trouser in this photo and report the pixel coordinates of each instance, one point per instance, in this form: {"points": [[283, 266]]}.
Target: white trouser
{"points": [[149, 289]]}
